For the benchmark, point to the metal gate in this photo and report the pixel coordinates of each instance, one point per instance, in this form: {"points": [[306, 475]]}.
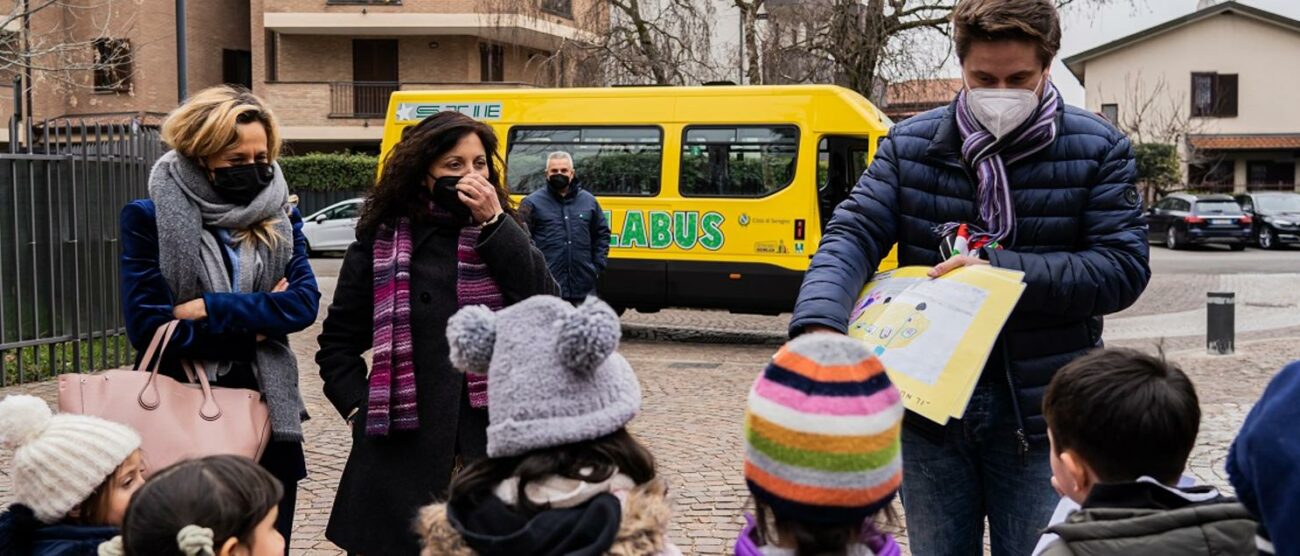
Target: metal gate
{"points": [[60, 197]]}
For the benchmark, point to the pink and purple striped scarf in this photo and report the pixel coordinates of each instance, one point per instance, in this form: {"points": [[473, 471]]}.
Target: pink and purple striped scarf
{"points": [[392, 377], [990, 158]]}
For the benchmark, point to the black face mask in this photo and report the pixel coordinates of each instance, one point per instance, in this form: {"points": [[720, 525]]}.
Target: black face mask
{"points": [[557, 182], [239, 185], [445, 196]]}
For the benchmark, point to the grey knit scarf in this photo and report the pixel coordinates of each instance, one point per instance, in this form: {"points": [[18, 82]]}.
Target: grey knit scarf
{"points": [[191, 261]]}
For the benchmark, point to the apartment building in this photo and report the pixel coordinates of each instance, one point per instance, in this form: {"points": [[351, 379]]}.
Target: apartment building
{"points": [[115, 60], [328, 66]]}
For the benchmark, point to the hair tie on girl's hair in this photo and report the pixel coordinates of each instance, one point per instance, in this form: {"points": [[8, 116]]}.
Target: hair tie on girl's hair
{"points": [[112, 547], [195, 541]]}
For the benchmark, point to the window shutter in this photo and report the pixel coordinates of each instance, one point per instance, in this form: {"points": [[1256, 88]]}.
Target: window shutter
{"points": [[1225, 95]]}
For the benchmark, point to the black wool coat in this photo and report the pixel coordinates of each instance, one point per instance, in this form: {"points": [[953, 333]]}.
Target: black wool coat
{"points": [[387, 479]]}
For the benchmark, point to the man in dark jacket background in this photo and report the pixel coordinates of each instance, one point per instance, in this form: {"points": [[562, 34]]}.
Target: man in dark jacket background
{"points": [[569, 228], [1049, 191]]}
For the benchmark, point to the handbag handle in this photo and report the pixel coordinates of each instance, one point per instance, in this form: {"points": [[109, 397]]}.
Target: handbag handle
{"points": [[161, 338], [209, 410], [196, 368]]}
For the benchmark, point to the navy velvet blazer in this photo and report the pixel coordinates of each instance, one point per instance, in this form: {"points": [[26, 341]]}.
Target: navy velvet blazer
{"points": [[234, 319]]}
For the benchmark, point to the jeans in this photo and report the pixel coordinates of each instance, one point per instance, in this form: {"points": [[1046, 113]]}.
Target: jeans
{"points": [[978, 468]]}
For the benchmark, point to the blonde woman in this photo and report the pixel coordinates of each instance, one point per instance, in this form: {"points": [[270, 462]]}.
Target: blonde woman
{"points": [[218, 246]]}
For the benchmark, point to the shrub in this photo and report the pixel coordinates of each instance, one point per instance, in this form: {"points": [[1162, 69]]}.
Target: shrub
{"points": [[1157, 164], [329, 171]]}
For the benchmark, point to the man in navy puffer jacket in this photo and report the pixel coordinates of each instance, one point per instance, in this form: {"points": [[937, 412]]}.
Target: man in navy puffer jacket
{"points": [[1075, 228], [569, 228]]}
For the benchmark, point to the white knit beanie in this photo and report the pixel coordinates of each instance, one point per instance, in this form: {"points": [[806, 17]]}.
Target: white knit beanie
{"points": [[59, 460]]}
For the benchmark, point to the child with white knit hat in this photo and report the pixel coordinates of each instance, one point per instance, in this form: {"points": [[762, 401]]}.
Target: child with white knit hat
{"points": [[73, 476]]}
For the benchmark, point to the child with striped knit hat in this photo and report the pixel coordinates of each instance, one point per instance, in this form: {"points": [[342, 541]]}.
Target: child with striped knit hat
{"points": [[822, 451]]}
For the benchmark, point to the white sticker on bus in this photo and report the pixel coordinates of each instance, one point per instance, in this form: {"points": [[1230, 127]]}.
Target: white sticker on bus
{"points": [[416, 111]]}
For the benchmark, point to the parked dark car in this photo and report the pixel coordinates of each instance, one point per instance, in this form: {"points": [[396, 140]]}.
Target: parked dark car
{"points": [[1276, 216], [1184, 219]]}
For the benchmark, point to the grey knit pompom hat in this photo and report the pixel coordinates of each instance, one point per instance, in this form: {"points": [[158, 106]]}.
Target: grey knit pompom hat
{"points": [[554, 377]]}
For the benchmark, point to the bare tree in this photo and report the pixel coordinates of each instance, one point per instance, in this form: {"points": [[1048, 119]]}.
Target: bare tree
{"points": [[749, 38], [659, 42], [65, 42], [865, 42], [1151, 114], [627, 42]]}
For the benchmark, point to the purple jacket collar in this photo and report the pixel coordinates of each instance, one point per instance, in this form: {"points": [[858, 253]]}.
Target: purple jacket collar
{"points": [[881, 544]]}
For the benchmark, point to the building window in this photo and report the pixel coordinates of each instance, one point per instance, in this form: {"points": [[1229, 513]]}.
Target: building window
{"points": [[1270, 172], [608, 161], [1214, 95], [749, 161], [237, 68], [1111, 113], [562, 8], [112, 65], [492, 62], [272, 56]]}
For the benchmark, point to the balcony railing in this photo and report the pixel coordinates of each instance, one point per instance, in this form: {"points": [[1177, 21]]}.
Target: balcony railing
{"points": [[361, 99]]}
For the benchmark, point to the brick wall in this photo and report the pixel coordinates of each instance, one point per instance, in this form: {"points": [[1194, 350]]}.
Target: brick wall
{"points": [[315, 58], [149, 25]]}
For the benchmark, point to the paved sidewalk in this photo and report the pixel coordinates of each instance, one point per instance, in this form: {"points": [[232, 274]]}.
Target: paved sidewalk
{"points": [[694, 399]]}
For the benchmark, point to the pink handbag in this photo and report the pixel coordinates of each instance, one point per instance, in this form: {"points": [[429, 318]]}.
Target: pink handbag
{"points": [[176, 421]]}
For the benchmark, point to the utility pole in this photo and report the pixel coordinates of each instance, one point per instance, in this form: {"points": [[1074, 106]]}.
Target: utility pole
{"points": [[182, 68]]}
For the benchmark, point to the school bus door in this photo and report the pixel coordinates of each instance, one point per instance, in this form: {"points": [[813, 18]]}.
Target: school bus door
{"points": [[845, 159]]}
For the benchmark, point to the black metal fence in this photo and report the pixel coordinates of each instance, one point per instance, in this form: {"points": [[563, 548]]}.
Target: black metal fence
{"points": [[60, 197]]}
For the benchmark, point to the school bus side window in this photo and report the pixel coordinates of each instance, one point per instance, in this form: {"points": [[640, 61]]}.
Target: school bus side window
{"points": [[738, 161], [611, 161]]}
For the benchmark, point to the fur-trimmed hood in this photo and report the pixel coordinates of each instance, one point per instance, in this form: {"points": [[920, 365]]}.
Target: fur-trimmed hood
{"points": [[642, 531]]}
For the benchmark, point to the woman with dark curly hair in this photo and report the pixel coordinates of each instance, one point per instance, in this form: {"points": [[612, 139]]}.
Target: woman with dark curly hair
{"points": [[437, 233]]}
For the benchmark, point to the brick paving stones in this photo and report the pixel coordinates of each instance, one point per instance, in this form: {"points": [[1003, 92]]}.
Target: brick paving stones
{"points": [[694, 398]]}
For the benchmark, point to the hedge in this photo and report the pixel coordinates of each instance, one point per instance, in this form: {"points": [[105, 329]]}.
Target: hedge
{"points": [[329, 171]]}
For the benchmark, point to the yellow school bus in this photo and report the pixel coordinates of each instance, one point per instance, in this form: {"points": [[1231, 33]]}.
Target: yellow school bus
{"points": [[716, 197]]}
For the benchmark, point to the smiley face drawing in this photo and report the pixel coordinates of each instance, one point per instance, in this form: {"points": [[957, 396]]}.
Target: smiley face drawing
{"points": [[897, 330]]}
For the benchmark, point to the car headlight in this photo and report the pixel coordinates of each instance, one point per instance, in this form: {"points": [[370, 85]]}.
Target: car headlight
{"points": [[1283, 223]]}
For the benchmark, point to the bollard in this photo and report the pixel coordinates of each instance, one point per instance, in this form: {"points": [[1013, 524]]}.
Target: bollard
{"points": [[1220, 326]]}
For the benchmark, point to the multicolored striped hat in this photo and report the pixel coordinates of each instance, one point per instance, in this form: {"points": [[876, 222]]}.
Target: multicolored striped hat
{"points": [[822, 432]]}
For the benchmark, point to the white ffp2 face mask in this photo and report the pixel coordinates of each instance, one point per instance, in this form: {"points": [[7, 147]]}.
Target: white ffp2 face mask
{"points": [[1001, 111]]}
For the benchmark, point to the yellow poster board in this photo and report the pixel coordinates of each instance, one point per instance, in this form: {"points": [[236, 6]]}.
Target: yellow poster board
{"points": [[934, 336]]}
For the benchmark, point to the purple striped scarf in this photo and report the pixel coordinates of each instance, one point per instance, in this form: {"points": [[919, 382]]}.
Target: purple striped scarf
{"points": [[990, 158], [392, 376]]}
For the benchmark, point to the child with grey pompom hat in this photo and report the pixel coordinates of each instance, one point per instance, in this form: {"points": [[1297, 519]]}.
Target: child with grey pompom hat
{"points": [[563, 475]]}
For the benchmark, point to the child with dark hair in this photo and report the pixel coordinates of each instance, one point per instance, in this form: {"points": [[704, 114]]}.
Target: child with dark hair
{"points": [[213, 506], [73, 476], [822, 451], [1122, 425], [563, 476]]}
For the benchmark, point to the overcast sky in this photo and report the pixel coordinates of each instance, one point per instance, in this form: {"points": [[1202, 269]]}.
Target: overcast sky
{"points": [[1083, 29]]}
